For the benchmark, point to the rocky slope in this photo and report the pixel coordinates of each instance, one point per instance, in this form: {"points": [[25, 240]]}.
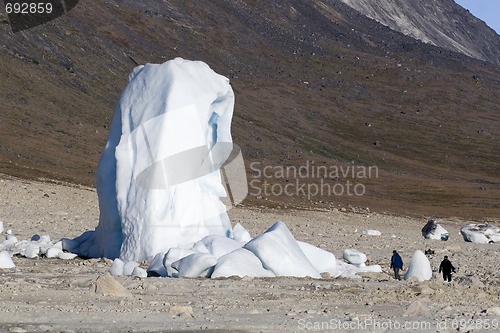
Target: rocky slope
{"points": [[443, 23], [315, 81]]}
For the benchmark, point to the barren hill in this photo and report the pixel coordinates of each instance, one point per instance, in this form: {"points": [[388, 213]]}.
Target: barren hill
{"points": [[315, 82], [442, 23]]}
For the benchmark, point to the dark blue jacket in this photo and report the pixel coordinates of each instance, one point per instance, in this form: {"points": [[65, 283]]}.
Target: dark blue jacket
{"points": [[396, 261]]}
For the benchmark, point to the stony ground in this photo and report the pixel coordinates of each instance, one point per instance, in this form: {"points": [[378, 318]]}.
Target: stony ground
{"points": [[52, 295]]}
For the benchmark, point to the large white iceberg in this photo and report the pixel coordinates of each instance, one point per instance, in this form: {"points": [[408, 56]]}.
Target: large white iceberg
{"points": [[164, 180], [158, 179]]}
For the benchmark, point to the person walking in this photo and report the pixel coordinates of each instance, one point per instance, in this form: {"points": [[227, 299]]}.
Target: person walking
{"points": [[396, 264], [446, 267]]}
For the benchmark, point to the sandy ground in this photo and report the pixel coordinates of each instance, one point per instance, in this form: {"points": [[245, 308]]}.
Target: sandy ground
{"points": [[52, 295]]}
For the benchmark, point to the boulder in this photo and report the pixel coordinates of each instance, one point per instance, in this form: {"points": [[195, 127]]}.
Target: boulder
{"points": [[108, 285]]}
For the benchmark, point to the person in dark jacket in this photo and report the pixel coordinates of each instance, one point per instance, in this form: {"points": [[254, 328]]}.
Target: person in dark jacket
{"points": [[446, 267], [396, 264]]}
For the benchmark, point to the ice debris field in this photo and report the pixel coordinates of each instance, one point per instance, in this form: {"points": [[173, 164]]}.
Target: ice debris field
{"points": [[160, 190]]}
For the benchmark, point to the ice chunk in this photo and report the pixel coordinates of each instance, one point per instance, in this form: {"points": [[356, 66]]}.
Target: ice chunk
{"points": [[45, 243], [58, 245], [354, 257], [11, 239], [31, 250], [219, 245], [117, 267], [6, 260], [128, 268], [139, 272], [347, 270], [80, 244], [322, 260], [371, 232], [200, 247], [240, 262], [280, 253], [173, 255], [433, 230], [419, 267], [156, 267], [66, 255], [482, 233], [53, 252], [195, 265], [241, 234]]}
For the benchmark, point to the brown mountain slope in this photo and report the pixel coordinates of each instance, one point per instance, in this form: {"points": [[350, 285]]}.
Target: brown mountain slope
{"points": [[440, 22], [314, 82]]}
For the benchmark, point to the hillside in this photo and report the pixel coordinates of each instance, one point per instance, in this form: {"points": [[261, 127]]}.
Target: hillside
{"points": [[442, 23], [314, 81]]}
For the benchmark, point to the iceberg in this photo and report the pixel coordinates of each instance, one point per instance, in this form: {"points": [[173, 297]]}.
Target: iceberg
{"points": [[169, 173], [158, 179]]}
